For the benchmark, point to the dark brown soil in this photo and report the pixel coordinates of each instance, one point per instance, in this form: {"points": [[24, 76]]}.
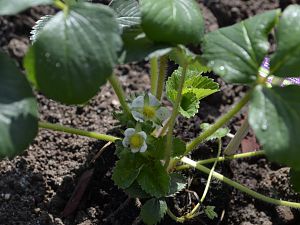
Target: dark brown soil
{"points": [[35, 187]]}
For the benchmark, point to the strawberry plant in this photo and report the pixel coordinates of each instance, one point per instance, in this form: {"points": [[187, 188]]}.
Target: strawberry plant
{"points": [[74, 52]]}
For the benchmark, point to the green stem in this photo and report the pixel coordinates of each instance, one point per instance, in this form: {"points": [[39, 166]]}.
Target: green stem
{"points": [[164, 128], [193, 213], [59, 4], [70, 130], [119, 92], [168, 151], [163, 63], [175, 218], [223, 158], [219, 123], [239, 186], [235, 142], [154, 74]]}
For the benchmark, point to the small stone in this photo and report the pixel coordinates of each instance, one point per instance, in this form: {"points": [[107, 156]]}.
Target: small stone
{"points": [[285, 214], [246, 223], [115, 103], [7, 196]]}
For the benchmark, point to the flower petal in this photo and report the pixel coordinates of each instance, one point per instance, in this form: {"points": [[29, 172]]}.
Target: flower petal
{"points": [[125, 142], [143, 134], [162, 114], [144, 147], [138, 102], [137, 116], [153, 100], [129, 132], [135, 150]]}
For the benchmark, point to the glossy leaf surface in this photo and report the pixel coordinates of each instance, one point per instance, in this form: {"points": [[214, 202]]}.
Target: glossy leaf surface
{"points": [[275, 118], [18, 110], [74, 54], [172, 21], [236, 52], [138, 47], [286, 60]]}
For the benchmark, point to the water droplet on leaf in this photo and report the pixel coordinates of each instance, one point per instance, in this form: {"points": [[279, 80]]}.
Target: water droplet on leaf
{"points": [[264, 126]]}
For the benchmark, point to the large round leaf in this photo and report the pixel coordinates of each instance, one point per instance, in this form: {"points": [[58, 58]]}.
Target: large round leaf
{"points": [[75, 53], [286, 60], [172, 21], [236, 52], [18, 110], [10, 7], [275, 118]]}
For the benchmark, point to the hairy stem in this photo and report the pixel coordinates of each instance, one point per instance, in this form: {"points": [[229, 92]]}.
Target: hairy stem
{"points": [[219, 123], [235, 142], [223, 158], [239, 186], [70, 130], [119, 92], [163, 63], [154, 74], [172, 119]]}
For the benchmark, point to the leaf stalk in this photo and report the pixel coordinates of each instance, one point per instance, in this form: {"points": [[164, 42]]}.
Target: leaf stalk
{"points": [[239, 186], [169, 142], [219, 123], [70, 130], [119, 92]]}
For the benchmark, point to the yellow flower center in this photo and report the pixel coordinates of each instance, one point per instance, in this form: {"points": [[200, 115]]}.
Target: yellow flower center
{"points": [[136, 141], [149, 111]]}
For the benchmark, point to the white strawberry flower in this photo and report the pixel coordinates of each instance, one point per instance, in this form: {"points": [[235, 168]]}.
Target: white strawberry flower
{"points": [[135, 140], [147, 107]]}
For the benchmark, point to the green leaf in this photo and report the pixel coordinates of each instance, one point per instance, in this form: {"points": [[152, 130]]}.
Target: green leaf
{"points": [[286, 60], [18, 110], [154, 179], [39, 25], [135, 191], [127, 169], [275, 118], [295, 179], [10, 7], [210, 212], [128, 12], [189, 105], [178, 147], [153, 211], [178, 183], [236, 52], [75, 53], [172, 21], [221, 132], [156, 147], [196, 87], [138, 47]]}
